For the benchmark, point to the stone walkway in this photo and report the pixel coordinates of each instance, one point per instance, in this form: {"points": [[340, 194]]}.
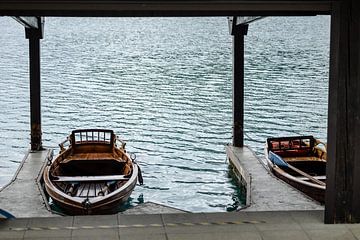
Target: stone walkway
{"points": [[304, 225]]}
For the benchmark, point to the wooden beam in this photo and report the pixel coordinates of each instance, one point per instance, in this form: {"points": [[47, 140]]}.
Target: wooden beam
{"points": [[342, 198], [34, 36], [163, 7], [236, 22], [247, 19], [29, 22], [238, 33]]}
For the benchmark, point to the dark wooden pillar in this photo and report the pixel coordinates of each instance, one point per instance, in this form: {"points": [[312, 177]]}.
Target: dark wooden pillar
{"points": [[342, 200], [238, 32], [34, 35]]}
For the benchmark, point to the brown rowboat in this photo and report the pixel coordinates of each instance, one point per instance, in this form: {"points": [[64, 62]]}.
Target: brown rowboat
{"points": [[92, 175], [300, 161]]}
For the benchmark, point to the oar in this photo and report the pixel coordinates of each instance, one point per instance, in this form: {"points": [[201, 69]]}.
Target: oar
{"points": [[276, 159], [5, 214]]}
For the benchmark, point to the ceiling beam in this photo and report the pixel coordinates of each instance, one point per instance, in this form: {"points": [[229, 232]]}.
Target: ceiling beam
{"points": [[236, 22], [164, 7], [246, 20], [29, 22]]}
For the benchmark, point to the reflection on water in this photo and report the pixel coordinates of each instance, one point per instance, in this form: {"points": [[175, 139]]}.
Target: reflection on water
{"points": [[164, 85]]}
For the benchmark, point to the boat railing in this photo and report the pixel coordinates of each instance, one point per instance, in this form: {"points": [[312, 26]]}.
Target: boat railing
{"points": [[304, 143], [86, 136]]}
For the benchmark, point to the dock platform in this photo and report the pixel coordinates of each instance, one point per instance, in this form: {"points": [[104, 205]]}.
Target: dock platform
{"points": [[265, 218], [264, 191], [22, 196]]}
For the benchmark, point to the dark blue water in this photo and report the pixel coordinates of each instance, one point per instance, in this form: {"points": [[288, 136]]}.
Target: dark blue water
{"points": [[164, 85]]}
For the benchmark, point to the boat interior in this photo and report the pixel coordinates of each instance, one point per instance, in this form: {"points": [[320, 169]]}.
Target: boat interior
{"points": [[301, 153], [91, 167]]}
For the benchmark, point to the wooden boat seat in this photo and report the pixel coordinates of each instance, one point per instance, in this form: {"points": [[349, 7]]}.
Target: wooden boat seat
{"points": [[294, 159], [91, 157], [90, 178]]}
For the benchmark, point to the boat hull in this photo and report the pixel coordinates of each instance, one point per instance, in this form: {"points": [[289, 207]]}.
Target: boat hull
{"points": [[91, 177], [300, 164], [315, 192], [107, 205]]}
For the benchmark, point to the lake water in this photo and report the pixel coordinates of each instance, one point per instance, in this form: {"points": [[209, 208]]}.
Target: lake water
{"points": [[165, 86]]}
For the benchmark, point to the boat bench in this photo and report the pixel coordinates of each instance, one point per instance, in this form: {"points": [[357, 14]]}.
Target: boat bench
{"points": [[90, 178], [93, 157]]}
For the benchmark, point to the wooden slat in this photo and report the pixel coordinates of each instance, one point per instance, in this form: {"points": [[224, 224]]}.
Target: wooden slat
{"points": [[92, 156], [316, 177], [90, 178]]}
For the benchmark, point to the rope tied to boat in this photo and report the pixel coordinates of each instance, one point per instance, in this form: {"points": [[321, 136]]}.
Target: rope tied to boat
{"points": [[140, 178], [50, 157]]}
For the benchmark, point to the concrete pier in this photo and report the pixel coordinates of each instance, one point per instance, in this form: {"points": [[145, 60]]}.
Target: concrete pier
{"points": [[22, 196], [264, 191]]}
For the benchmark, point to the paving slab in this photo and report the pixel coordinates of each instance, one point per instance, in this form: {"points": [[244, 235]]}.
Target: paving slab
{"points": [[151, 208], [236, 225]]}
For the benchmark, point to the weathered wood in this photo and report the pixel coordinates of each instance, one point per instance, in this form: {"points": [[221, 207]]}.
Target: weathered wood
{"points": [[163, 7], [240, 24], [238, 33], [29, 22], [342, 203], [34, 36]]}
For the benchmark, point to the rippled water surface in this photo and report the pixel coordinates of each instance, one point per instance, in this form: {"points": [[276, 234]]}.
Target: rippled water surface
{"points": [[164, 85]]}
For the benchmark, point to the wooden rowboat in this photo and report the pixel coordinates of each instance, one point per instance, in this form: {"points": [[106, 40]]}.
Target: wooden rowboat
{"points": [[92, 175], [300, 161]]}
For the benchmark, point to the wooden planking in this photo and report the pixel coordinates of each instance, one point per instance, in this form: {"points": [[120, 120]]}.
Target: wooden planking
{"points": [[90, 178], [316, 177], [342, 202], [163, 7], [91, 156]]}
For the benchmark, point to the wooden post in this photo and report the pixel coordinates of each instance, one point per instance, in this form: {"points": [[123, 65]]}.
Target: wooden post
{"points": [[34, 35], [238, 32], [342, 198]]}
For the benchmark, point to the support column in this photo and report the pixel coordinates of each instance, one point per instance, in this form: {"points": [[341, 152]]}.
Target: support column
{"points": [[342, 198], [238, 32], [34, 35]]}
